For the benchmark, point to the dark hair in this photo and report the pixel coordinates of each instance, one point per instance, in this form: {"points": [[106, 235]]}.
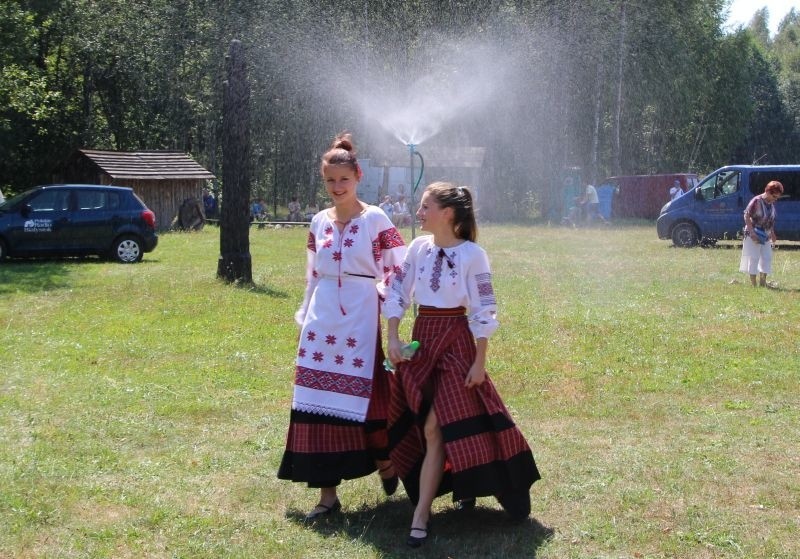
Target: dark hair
{"points": [[342, 152], [774, 187], [459, 198]]}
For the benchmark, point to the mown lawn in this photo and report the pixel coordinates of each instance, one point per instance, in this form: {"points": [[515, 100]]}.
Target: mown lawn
{"points": [[143, 408]]}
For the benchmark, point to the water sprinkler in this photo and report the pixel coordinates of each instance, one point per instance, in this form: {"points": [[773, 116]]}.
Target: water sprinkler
{"points": [[412, 151]]}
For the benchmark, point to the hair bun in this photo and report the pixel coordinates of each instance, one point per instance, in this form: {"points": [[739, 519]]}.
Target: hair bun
{"points": [[343, 141]]}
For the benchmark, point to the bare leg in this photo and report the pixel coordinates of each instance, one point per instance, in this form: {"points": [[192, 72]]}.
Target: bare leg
{"points": [[753, 279], [762, 279], [430, 475]]}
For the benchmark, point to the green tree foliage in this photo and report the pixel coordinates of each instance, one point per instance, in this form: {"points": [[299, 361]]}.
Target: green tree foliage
{"points": [[609, 86], [785, 50]]}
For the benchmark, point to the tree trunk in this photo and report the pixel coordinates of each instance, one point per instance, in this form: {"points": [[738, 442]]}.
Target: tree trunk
{"points": [[234, 263], [598, 109], [620, 76]]}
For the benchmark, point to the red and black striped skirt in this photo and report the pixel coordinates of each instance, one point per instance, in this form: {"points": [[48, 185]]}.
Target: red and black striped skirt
{"points": [[486, 454], [323, 450]]}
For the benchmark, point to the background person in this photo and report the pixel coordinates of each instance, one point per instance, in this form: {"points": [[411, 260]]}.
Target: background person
{"points": [[337, 427], [255, 209], [402, 215], [592, 204], [443, 397], [388, 207], [209, 204], [294, 210], [675, 191], [310, 211], [759, 234]]}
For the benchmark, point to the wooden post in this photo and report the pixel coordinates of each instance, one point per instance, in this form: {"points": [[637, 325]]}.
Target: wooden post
{"points": [[235, 264]]}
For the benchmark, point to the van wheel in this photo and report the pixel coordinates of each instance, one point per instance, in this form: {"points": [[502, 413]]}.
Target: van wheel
{"points": [[685, 235], [127, 249]]}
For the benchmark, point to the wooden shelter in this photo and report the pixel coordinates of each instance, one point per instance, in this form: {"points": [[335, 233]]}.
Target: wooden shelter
{"points": [[162, 179]]}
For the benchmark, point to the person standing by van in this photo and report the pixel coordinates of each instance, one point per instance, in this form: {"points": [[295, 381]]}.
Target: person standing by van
{"points": [[759, 234]]}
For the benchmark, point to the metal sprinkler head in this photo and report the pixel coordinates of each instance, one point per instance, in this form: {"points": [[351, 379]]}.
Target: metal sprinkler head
{"points": [[411, 148]]}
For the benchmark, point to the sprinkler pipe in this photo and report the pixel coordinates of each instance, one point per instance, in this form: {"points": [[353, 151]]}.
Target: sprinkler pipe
{"points": [[412, 151]]}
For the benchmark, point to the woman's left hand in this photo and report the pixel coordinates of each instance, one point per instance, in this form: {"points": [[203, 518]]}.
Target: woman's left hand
{"points": [[475, 377]]}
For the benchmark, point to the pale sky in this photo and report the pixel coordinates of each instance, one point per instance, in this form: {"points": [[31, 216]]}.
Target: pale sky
{"points": [[741, 11]]}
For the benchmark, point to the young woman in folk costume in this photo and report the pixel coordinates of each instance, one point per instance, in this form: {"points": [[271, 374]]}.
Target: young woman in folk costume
{"points": [[337, 424], [448, 428]]}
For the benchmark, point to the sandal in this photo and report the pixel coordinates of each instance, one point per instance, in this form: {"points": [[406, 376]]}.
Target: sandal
{"points": [[389, 483], [325, 510]]}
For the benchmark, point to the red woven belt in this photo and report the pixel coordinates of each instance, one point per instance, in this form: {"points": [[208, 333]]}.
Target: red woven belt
{"points": [[436, 311]]}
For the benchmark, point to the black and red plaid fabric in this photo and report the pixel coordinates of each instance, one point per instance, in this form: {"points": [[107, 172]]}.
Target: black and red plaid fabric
{"points": [[323, 450], [486, 454]]}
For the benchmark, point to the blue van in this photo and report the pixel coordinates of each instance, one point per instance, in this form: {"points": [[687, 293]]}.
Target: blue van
{"points": [[714, 209]]}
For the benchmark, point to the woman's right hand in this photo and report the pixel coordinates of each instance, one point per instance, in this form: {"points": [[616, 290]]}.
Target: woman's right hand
{"points": [[394, 350]]}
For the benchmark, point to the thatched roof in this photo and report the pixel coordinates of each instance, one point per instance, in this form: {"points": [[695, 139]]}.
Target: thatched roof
{"points": [[147, 165]]}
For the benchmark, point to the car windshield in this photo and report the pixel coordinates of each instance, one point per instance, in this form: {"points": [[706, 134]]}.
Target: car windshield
{"points": [[12, 202]]}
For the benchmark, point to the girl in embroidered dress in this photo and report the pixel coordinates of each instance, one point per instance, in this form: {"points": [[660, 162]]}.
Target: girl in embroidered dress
{"points": [[759, 234], [337, 426], [448, 428]]}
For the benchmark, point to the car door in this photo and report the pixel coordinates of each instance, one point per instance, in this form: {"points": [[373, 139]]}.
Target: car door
{"points": [[44, 222], [721, 205], [95, 218]]}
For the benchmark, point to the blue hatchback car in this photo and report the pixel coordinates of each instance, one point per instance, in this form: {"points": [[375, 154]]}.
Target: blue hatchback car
{"points": [[76, 220]]}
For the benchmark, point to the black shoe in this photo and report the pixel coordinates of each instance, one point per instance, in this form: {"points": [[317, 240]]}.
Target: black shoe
{"points": [[465, 504], [389, 483], [415, 542], [326, 510]]}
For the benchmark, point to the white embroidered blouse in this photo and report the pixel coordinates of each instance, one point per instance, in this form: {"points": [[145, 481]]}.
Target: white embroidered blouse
{"points": [[458, 276]]}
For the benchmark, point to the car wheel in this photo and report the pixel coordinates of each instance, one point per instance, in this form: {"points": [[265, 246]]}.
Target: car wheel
{"points": [[685, 235], [127, 249], [3, 250]]}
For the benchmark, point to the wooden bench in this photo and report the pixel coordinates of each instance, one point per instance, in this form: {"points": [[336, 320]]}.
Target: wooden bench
{"points": [[263, 224]]}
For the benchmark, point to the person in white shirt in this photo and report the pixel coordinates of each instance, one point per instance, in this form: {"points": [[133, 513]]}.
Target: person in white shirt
{"points": [[388, 207], [442, 393], [337, 423], [402, 216], [676, 191], [592, 204]]}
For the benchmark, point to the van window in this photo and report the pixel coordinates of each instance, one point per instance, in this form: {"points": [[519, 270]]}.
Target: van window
{"points": [[723, 184], [789, 179]]}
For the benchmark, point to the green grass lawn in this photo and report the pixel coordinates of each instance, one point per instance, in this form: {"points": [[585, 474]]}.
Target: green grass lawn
{"points": [[143, 408]]}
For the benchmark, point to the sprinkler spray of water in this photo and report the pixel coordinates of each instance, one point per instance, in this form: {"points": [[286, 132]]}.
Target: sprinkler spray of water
{"points": [[412, 151]]}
